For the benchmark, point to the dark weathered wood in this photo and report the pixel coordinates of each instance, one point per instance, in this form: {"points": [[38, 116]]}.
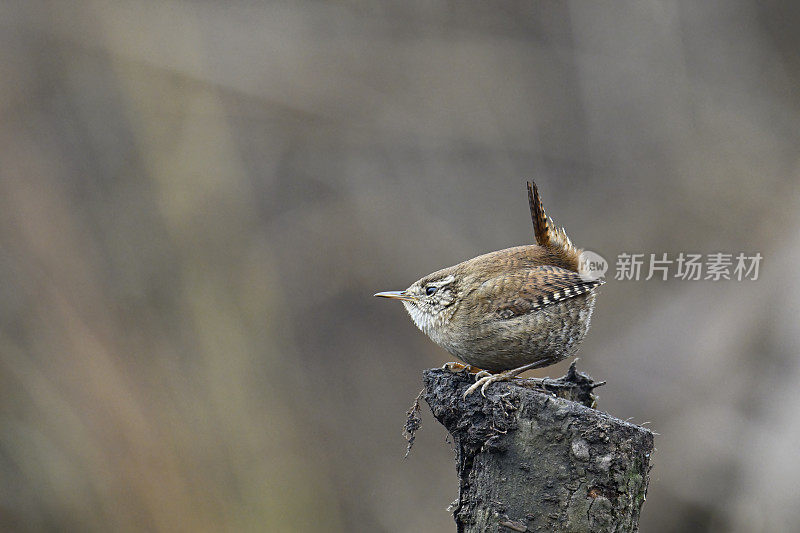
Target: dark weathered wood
{"points": [[530, 461]]}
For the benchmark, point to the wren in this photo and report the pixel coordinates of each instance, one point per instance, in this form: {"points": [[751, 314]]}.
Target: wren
{"points": [[508, 311]]}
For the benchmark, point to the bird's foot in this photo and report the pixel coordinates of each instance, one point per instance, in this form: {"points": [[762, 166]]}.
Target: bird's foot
{"points": [[483, 378], [454, 367]]}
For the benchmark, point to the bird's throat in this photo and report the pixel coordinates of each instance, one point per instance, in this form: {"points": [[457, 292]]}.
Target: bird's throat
{"points": [[431, 324]]}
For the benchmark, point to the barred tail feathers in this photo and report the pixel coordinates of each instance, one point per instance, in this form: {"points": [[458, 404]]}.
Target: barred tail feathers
{"points": [[547, 233]]}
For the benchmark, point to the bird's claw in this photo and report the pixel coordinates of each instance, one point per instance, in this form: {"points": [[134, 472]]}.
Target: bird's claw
{"points": [[484, 379], [454, 367]]}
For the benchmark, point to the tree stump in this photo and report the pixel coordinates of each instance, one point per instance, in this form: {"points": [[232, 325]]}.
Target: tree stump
{"points": [[529, 460]]}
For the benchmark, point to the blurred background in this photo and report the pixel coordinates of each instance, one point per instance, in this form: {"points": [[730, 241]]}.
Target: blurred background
{"points": [[198, 200]]}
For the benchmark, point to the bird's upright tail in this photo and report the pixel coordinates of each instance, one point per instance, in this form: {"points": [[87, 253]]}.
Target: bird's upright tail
{"points": [[548, 234]]}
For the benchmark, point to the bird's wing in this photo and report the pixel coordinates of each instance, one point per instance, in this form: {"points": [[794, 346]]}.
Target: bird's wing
{"points": [[526, 290]]}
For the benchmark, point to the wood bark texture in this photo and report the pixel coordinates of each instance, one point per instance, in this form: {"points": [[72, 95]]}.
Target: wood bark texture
{"points": [[529, 460]]}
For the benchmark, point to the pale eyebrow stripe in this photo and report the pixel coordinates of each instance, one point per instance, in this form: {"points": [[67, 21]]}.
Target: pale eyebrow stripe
{"points": [[444, 281]]}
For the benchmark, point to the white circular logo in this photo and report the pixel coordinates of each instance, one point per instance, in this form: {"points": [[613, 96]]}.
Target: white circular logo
{"points": [[592, 265]]}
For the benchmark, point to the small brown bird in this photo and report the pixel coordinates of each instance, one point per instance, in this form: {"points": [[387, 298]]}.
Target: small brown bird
{"points": [[511, 310]]}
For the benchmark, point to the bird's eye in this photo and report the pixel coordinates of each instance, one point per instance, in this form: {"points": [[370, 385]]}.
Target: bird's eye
{"points": [[430, 290]]}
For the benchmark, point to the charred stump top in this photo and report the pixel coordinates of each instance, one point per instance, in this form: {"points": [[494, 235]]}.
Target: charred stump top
{"points": [[533, 460]]}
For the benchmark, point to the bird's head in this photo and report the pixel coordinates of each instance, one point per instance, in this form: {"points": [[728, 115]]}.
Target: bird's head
{"points": [[429, 300]]}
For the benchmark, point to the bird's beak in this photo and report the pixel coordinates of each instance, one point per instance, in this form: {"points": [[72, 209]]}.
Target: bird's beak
{"points": [[397, 295]]}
